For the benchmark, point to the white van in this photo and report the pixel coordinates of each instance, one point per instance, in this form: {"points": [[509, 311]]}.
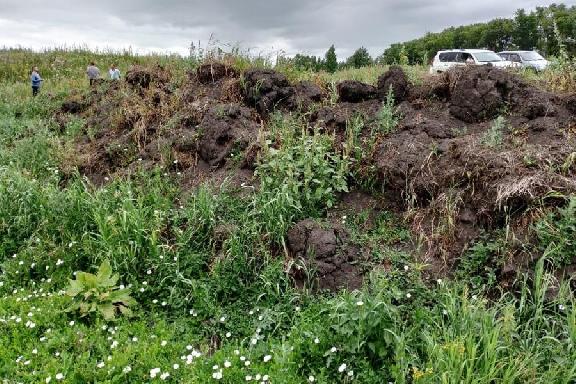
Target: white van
{"points": [[526, 59], [444, 60]]}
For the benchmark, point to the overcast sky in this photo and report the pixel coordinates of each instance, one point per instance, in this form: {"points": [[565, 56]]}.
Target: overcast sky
{"points": [[292, 26]]}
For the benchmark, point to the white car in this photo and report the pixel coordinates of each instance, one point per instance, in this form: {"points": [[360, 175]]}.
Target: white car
{"points": [[526, 59], [444, 60]]}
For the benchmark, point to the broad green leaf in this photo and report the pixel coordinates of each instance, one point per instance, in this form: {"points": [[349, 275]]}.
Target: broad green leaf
{"points": [[125, 311], [108, 311], [88, 280], [105, 271], [74, 288]]}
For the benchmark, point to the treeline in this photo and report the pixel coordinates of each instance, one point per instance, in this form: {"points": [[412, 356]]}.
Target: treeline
{"points": [[549, 30], [329, 62]]}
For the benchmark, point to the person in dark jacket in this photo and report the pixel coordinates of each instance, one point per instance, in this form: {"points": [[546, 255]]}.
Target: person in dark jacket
{"points": [[93, 73], [36, 81]]}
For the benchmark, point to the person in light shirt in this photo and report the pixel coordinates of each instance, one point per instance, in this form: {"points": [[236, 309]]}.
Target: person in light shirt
{"points": [[114, 72]]}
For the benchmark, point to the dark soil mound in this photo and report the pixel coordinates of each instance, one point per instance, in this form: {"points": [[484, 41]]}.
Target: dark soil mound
{"points": [[226, 130], [72, 107], [396, 80], [355, 91], [570, 103], [326, 252], [478, 93], [211, 73], [335, 118], [306, 94], [447, 166], [266, 90], [460, 175], [143, 77], [144, 123]]}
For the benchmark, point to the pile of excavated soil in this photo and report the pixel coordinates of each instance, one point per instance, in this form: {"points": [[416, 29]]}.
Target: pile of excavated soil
{"points": [[447, 172], [445, 166]]}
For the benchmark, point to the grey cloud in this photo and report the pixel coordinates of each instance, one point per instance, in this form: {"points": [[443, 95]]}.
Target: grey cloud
{"points": [[295, 25]]}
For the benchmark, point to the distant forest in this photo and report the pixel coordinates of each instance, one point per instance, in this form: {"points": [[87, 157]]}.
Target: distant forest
{"points": [[549, 30]]}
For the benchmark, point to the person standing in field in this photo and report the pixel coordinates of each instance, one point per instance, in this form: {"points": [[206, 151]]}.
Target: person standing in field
{"points": [[92, 72], [36, 81], [114, 72]]}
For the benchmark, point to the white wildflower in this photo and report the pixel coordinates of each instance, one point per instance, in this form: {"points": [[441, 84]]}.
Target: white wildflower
{"points": [[154, 372]]}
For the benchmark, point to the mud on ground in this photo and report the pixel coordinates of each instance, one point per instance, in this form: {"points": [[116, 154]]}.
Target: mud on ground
{"points": [[445, 168]]}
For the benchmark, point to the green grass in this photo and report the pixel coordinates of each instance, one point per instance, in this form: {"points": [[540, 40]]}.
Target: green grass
{"points": [[207, 304]]}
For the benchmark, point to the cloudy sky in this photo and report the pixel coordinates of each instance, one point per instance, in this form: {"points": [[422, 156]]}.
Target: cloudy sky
{"points": [[266, 26]]}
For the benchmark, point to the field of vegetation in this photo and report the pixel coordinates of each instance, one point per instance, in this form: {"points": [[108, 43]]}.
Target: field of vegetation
{"points": [[214, 220]]}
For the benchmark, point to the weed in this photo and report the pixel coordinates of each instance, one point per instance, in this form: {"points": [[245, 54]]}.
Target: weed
{"points": [[494, 137], [99, 294], [387, 116]]}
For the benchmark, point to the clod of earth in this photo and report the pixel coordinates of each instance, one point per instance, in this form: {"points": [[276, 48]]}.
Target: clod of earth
{"points": [[328, 253], [394, 79], [355, 91], [212, 72], [225, 129]]}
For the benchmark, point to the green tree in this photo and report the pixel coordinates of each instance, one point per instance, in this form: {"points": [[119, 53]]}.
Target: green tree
{"points": [[526, 30], [331, 61], [308, 63], [360, 58]]}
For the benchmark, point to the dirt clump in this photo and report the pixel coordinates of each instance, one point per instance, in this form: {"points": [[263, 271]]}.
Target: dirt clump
{"points": [[306, 94], [226, 130], [335, 118], [352, 91], [266, 90], [143, 77], [570, 103], [394, 79], [477, 94], [212, 72], [72, 106], [325, 252]]}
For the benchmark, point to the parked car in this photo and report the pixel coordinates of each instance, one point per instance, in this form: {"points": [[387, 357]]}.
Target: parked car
{"points": [[447, 59], [525, 59]]}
